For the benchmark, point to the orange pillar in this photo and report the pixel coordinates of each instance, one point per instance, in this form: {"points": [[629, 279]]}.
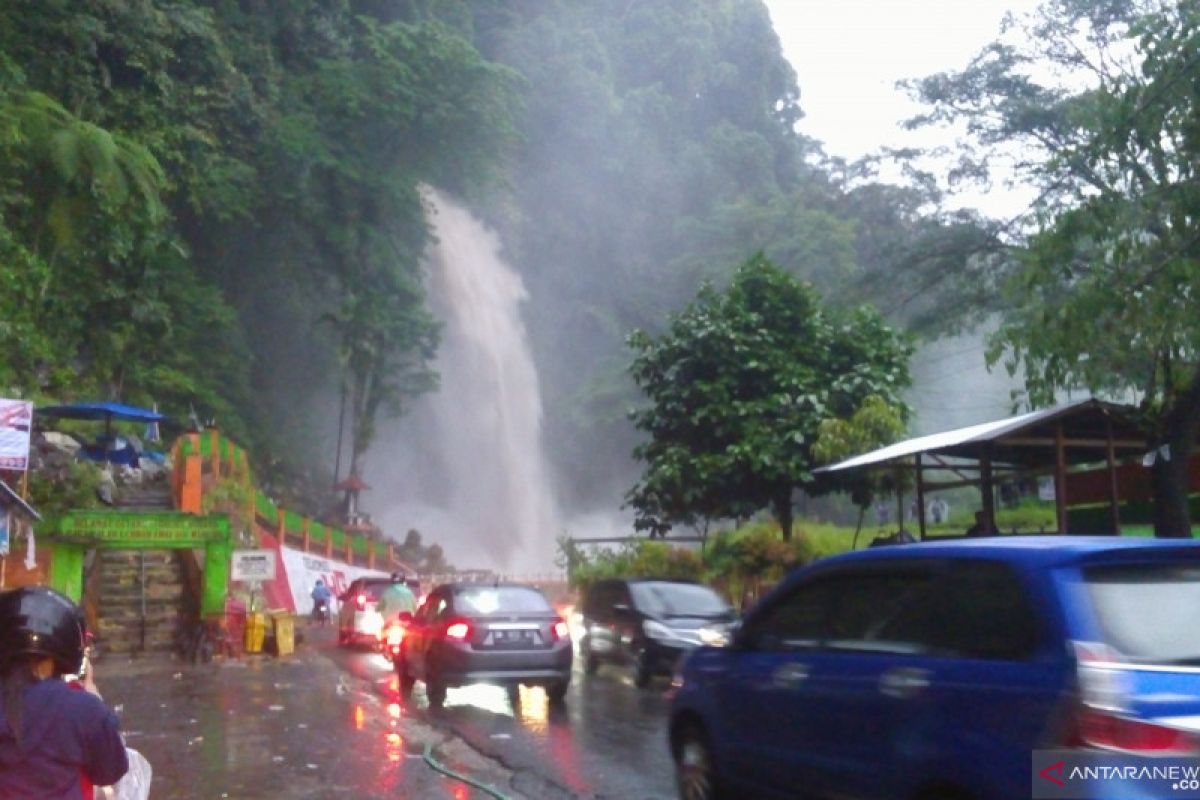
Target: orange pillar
{"points": [[306, 522], [190, 495], [280, 522]]}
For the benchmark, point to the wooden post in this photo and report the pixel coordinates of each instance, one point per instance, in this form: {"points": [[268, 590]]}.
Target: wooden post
{"points": [[986, 489], [1114, 498], [1060, 478], [920, 497]]}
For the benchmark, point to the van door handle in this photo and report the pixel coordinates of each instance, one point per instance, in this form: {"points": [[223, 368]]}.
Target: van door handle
{"points": [[903, 682], [789, 676]]}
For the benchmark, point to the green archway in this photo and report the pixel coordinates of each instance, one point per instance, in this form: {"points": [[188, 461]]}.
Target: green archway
{"points": [[76, 532]]}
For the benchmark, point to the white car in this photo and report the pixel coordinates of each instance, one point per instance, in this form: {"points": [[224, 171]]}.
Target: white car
{"points": [[358, 619]]}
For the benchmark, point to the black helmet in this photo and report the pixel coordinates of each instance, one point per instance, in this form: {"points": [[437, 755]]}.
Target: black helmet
{"points": [[36, 621], [397, 577]]}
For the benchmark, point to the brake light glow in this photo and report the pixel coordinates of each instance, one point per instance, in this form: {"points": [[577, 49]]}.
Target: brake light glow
{"points": [[561, 630], [458, 631], [361, 601], [1102, 719], [395, 634], [1110, 731]]}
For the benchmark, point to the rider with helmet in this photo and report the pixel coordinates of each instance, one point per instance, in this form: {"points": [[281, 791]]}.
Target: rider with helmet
{"points": [[53, 740], [396, 599]]}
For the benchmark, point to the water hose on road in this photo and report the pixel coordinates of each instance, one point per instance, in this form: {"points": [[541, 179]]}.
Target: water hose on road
{"points": [[458, 776]]}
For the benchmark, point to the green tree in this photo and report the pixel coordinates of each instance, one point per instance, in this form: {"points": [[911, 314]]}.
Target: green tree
{"points": [[874, 424], [738, 387], [1099, 297]]}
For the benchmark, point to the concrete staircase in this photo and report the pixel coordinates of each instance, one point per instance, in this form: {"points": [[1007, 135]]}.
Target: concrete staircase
{"points": [[141, 597], [139, 590], [144, 497]]}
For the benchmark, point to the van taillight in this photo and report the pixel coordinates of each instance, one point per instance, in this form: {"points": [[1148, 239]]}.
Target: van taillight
{"points": [[1102, 716], [361, 602], [1109, 731]]}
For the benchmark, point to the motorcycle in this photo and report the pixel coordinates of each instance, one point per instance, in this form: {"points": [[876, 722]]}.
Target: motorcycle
{"points": [[391, 636], [320, 612]]}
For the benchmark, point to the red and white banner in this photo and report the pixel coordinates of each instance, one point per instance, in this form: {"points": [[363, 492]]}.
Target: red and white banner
{"points": [[303, 569], [16, 419], [297, 572]]}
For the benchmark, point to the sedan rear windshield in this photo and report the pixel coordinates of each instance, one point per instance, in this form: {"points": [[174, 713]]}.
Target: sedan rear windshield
{"points": [[1149, 612], [374, 591], [679, 600], [485, 601]]}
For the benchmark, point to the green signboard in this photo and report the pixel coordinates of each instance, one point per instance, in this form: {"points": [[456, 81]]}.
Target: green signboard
{"points": [[74, 532], [165, 529]]}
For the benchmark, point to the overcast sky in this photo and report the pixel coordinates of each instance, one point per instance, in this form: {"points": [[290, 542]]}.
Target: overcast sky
{"points": [[849, 54]]}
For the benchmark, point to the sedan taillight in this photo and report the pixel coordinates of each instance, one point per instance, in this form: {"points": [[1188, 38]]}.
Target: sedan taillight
{"points": [[561, 630], [458, 631]]}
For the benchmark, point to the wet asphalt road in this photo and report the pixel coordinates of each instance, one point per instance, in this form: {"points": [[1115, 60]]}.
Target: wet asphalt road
{"points": [[327, 722], [607, 741]]}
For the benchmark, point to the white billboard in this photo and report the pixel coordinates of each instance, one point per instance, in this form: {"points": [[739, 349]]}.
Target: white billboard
{"points": [[16, 419]]}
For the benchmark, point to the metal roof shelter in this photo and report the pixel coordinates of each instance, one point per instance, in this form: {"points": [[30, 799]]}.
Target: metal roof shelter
{"points": [[1048, 441]]}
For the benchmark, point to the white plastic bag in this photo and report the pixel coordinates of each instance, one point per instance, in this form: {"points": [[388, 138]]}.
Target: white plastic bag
{"points": [[134, 785]]}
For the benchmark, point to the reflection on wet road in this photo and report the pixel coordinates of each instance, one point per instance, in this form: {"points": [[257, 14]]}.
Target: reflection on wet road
{"points": [[608, 740]]}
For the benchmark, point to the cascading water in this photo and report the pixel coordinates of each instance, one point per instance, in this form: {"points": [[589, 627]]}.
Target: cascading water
{"points": [[466, 468]]}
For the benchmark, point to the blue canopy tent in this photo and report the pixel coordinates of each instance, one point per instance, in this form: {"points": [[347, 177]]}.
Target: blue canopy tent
{"points": [[104, 450]]}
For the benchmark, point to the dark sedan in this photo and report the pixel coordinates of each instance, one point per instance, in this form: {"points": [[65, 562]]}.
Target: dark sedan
{"points": [[506, 634]]}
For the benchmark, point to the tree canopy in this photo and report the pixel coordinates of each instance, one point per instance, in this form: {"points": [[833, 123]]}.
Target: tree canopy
{"points": [[1098, 296], [738, 388]]}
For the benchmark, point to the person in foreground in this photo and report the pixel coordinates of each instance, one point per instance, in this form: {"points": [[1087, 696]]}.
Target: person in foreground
{"points": [[56, 742]]}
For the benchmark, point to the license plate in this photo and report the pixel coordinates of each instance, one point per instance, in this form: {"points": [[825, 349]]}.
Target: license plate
{"points": [[512, 637]]}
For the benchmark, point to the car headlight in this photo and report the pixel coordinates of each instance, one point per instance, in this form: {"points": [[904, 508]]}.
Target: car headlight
{"points": [[656, 630], [714, 637]]}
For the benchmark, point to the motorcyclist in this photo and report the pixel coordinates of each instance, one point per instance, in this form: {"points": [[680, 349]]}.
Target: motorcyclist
{"points": [[396, 599], [53, 740], [320, 597]]}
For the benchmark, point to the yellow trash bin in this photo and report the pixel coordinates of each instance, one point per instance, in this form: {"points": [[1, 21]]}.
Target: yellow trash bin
{"points": [[256, 631], [285, 632]]}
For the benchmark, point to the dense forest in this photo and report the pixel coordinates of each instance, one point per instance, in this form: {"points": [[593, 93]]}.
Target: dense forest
{"points": [[216, 203]]}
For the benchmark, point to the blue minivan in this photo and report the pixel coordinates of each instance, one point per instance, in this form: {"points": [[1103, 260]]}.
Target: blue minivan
{"points": [[934, 671]]}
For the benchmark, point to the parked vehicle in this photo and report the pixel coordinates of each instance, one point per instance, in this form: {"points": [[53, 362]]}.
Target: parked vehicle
{"points": [[935, 670], [504, 634], [649, 623]]}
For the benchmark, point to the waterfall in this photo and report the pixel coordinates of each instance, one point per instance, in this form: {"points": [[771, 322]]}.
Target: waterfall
{"points": [[466, 468]]}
